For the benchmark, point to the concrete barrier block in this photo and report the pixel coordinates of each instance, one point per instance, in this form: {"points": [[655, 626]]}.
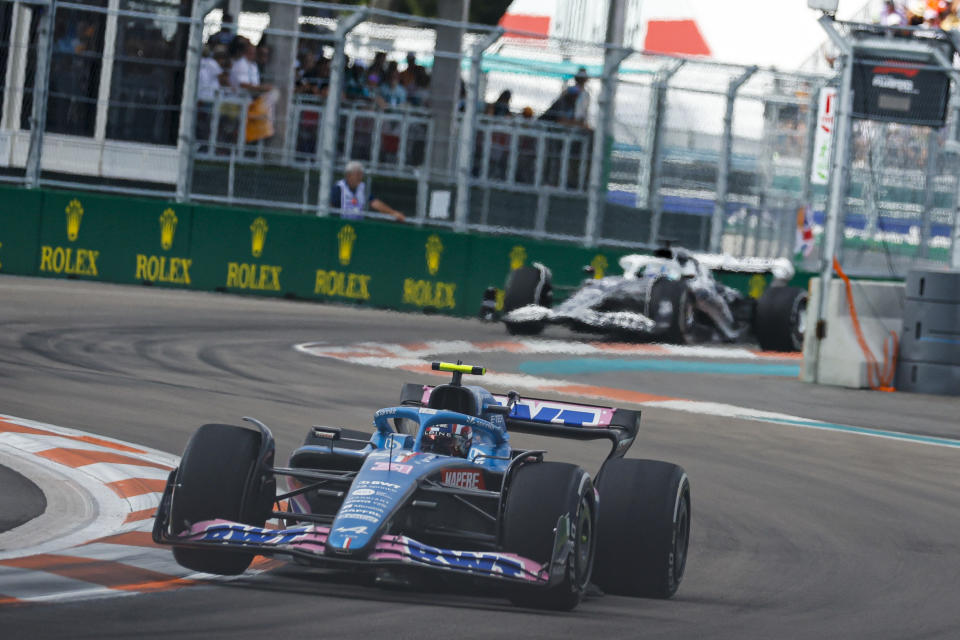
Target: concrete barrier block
{"points": [[838, 359]]}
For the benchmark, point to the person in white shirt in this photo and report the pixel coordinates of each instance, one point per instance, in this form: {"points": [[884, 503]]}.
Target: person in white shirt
{"points": [[244, 74], [581, 110], [350, 196], [214, 74]]}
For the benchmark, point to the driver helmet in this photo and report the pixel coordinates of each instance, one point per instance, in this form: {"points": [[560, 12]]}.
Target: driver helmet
{"points": [[448, 440]]}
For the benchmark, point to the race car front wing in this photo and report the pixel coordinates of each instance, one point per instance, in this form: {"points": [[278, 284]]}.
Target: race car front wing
{"points": [[309, 543]]}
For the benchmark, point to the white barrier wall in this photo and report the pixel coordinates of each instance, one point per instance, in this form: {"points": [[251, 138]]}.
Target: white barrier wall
{"points": [[838, 359]]}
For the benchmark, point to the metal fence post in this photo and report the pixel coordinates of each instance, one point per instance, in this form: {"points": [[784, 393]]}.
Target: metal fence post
{"points": [[188, 102], [723, 170], [468, 129], [806, 192], [41, 81], [605, 104], [329, 122], [655, 138]]}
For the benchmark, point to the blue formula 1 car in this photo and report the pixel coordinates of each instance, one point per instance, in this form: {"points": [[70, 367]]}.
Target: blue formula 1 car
{"points": [[438, 488]]}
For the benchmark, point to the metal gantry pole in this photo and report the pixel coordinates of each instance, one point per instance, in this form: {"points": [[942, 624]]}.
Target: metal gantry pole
{"points": [[468, 128], [41, 80], [839, 177], [605, 108], [657, 100], [331, 112], [188, 103], [723, 170]]}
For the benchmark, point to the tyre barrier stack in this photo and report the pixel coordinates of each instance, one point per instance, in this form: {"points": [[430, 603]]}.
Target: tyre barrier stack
{"points": [[930, 343]]}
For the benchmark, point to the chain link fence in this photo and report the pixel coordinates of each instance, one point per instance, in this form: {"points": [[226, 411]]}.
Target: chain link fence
{"points": [[264, 104]]}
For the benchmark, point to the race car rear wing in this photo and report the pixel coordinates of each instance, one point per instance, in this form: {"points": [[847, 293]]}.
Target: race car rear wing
{"points": [[538, 416]]}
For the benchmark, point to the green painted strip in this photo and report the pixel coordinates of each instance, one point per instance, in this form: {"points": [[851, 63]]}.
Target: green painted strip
{"points": [[880, 433], [601, 365]]}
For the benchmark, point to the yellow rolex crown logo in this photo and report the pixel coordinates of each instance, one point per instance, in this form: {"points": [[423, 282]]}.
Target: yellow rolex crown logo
{"points": [[345, 239], [518, 256], [74, 215], [756, 285], [259, 229], [168, 226], [434, 249], [599, 264]]}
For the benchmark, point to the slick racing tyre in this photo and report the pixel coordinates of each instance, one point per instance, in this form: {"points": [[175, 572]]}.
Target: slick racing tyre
{"points": [[781, 319], [212, 483], [644, 528], [671, 301], [539, 495], [527, 285]]}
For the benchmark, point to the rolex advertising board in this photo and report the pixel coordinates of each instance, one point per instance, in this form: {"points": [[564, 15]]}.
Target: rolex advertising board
{"points": [[114, 239], [19, 230]]}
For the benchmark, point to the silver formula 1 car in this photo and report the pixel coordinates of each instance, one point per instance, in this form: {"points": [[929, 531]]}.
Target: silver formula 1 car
{"points": [[670, 296]]}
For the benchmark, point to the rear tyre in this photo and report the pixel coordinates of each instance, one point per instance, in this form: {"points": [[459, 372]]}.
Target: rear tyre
{"points": [[538, 496], [526, 285], [671, 300], [781, 319], [214, 476], [643, 531]]}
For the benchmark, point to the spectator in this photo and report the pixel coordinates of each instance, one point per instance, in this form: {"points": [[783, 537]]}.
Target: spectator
{"points": [[502, 106], [581, 109], [262, 55], [350, 196], [244, 73], [392, 92], [214, 74], [421, 92], [409, 75], [226, 34], [892, 15]]}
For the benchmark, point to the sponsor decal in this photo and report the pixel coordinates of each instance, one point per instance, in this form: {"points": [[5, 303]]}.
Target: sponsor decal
{"points": [[81, 262], [434, 249], [70, 260], [388, 466], [463, 478], [363, 492], [903, 71], [253, 534], [338, 284], [555, 413], [518, 256], [901, 85], [346, 238], [262, 277], [360, 530], [163, 269], [74, 213], [168, 227], [380, 483], [426, 293], [600, 265], [756, 286], [467, 560], [258, 230]]}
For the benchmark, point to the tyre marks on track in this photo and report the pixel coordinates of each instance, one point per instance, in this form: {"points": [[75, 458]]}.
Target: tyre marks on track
{"points": [[111, 552]]}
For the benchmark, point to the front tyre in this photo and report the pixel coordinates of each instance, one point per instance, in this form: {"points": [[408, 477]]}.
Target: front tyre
{"points": [[216, 480], [539, 495], [643, 532]]}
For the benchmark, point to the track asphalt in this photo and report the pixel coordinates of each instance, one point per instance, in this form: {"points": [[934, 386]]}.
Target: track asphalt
{"points": [[797, 532]]}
